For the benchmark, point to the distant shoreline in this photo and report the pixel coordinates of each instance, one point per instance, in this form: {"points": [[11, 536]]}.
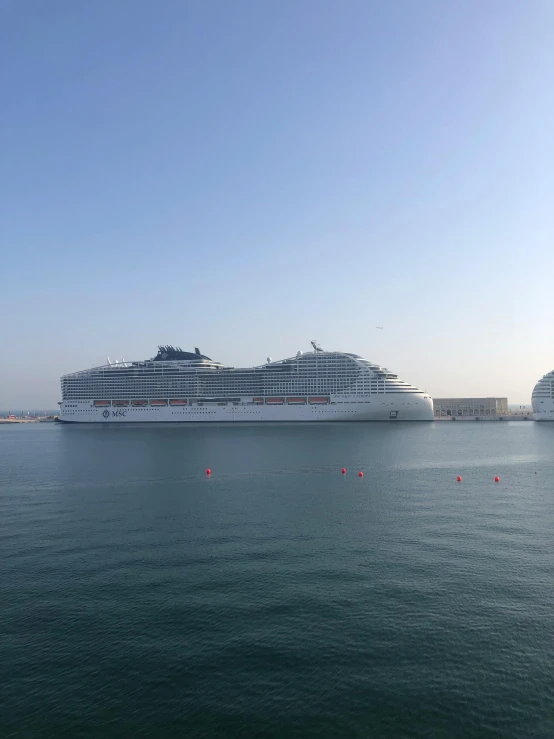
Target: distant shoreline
{"points": [[46, 419]]}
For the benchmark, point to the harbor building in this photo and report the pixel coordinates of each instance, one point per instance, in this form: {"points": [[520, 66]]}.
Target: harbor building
{"points": [[470, 407]]}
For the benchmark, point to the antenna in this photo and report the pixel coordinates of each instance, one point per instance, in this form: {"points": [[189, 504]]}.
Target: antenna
{"points": [[316, 346]]}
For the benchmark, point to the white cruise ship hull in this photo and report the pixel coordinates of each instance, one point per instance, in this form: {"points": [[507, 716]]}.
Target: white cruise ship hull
{"points": [[543, 410], [386, 407]]}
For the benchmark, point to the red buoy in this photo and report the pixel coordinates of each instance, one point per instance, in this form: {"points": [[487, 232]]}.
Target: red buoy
{"points": [[343, 470], [208, 471], [360, 474], [458, 479], [497, 479]]}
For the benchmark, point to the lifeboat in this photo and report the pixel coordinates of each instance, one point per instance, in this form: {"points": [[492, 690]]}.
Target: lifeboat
{"points": [[158, 402], [120, 403], [274, 401], [139, 402], [296, 401], [178, 401], [259, 401], [318, 401], [101, 403]]}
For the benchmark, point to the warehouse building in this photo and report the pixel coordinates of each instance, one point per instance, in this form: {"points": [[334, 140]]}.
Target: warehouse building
{"points": [[483, 407]]}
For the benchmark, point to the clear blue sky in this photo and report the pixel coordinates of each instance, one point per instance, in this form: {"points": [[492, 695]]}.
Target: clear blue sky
{"points": [[246, 176]]}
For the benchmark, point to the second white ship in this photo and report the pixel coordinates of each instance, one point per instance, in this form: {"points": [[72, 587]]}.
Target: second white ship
{"points": [[543, 398], [179, 386]]}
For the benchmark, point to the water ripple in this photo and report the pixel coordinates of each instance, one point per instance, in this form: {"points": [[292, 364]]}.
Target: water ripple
{"points": [[278, 598]]}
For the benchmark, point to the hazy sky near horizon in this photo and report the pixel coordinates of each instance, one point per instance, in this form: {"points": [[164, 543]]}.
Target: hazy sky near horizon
{"points": [[246, 176]]}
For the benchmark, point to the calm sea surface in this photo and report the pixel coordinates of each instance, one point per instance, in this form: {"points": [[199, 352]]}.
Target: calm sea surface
{"points": [[278, 598]]}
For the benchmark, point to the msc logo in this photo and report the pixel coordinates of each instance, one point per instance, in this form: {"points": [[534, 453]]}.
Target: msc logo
{"points": [[119, 413]]}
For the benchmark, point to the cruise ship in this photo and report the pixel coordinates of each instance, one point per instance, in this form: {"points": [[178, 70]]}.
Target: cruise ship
{"points": [[543, 398], [181, 386]]}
